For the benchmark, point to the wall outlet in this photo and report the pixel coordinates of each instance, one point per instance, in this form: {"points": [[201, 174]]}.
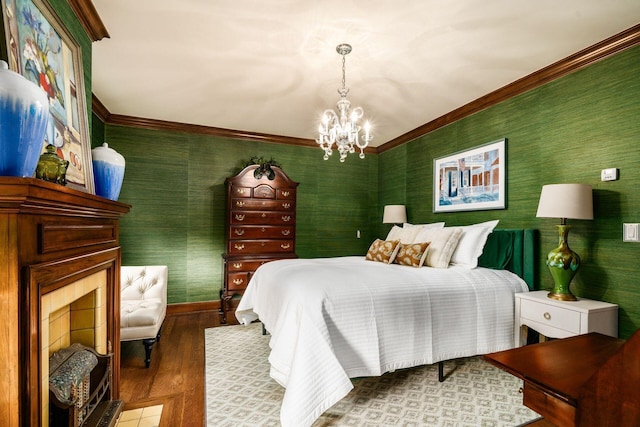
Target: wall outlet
{"points": [[631, 233], [610, 174]]}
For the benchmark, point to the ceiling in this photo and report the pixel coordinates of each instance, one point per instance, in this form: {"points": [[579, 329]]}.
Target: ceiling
{"points": [[271, 66]]}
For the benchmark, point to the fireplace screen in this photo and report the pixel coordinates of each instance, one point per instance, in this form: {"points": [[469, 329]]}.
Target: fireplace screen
{"points": [[79, 384]]}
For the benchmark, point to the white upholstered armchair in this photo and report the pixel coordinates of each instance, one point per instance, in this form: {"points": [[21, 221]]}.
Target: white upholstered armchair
{"points": [[143, 304]]}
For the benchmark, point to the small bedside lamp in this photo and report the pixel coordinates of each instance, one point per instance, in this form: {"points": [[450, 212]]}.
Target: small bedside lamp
{"points": [[394, 214], [574, 201]]}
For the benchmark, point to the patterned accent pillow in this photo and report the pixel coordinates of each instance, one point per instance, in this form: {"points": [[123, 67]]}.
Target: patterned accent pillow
{"points": [[383, 251], [443, 243], [412, 255]]}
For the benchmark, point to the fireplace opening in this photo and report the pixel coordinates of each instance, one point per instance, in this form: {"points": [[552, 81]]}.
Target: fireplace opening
{"points": [[79, 388], [77, 363]]}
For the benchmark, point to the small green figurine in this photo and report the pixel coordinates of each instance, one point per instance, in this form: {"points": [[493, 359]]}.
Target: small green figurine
{"points": [[51, 167]]}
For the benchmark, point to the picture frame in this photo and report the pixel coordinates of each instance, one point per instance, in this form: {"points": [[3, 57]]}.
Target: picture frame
{"points": [[38, 46], [473, 179]]}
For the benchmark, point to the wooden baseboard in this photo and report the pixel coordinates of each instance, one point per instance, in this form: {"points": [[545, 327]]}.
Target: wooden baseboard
{"points": [[193, 307]]}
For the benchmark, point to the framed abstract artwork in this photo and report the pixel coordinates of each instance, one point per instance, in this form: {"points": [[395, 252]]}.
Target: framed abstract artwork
{"points": [[39, 48], [474, 179]]}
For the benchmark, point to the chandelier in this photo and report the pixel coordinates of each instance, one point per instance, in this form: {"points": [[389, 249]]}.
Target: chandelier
{"points": [[343, 128]]}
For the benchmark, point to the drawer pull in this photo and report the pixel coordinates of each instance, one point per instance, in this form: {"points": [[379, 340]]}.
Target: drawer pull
{"points": [[263, 229], [264, 215], [285, 246], [240, 191], [238, 281], [238, 247], [237, 265], [240, 203], [547, 315], [286, 218], [238, 232], [286, 205], [262, 244], [286, 232], [285, 193], [239, 217]]}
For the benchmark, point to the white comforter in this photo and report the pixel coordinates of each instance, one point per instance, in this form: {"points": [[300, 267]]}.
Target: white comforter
{"points": [[332, 319]]}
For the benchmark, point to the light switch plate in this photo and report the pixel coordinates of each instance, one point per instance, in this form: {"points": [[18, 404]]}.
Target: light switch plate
{"points": [[631, 233], [610, 174]]}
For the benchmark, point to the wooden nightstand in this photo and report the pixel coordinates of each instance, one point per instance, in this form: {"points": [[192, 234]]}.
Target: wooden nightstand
{"points": [[562, 319]]}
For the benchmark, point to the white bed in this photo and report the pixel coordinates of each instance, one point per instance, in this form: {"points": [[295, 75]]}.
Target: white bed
{"points": [[333, 319]]}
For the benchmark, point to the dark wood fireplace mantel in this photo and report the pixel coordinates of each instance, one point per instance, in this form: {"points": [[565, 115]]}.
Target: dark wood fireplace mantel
{"points": [[50, 236]]}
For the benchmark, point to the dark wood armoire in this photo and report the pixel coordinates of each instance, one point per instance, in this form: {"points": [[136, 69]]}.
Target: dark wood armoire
{"points": [[260, 226]]}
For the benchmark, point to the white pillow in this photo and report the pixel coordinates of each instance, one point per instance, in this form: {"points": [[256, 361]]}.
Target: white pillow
{"points": [[394, 233], [408, 233], [423, 232], [472, 243], [442, 244]]}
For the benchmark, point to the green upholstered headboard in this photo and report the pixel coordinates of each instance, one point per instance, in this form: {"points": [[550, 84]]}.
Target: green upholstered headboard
{"points": [[514, 250]]}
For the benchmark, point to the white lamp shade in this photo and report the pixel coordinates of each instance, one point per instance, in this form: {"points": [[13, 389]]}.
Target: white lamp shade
{"points": [[394, 214], [574, 201]]}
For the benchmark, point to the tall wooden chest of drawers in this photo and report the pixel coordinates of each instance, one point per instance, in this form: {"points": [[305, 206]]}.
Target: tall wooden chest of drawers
{"points": [[261, 227]]}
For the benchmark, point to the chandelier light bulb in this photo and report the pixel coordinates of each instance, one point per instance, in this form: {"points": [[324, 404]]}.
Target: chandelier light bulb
{"points": [[342, 128]]}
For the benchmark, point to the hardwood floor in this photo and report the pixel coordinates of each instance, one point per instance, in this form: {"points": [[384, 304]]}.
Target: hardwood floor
{"points": [[175, 378]]}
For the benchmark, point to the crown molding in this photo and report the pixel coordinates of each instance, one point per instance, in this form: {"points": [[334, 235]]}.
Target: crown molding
{"points": [[89, 18], [98, 108], [581, 59], [139, 122]]}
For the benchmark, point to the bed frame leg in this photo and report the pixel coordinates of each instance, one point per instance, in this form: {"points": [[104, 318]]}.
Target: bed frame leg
{"points": [[441, 371]]}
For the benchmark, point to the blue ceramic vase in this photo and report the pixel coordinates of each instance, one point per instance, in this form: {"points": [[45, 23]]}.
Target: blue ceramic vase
{"points": [[108, 171], [24, 111]]}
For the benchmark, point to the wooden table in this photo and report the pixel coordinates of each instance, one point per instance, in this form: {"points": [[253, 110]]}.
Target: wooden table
{"points": [[554, 372]]}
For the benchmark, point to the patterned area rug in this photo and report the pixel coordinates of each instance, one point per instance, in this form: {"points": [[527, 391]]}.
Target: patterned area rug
{"points": [[240, 393]]}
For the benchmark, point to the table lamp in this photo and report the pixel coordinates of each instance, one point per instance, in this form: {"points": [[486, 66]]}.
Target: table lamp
{"points": [[573, 201], [394, 214]]}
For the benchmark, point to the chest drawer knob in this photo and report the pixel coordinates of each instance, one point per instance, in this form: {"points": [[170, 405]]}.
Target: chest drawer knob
{"points": [[240, 204], [238, 232], [237, 265], [238, 281], [286, 205], [238, 247], [286, 218], [285, 246], [239, 217], [285, 193], [286, 232], [547, 315]]}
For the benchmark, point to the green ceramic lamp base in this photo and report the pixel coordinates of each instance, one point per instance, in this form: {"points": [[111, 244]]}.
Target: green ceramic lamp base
{"points": [[563, 264]]}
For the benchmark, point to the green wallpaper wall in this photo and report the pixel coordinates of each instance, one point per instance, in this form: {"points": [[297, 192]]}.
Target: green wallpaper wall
{"points": [[175, 183], [565, 131]]}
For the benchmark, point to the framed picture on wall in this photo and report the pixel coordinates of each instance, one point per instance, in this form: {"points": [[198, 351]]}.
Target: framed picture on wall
{"points": [[474, 179], [39, 48]]}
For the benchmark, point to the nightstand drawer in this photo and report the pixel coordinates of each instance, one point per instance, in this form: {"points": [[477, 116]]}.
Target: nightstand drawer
{"points": [[549, 315]]}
